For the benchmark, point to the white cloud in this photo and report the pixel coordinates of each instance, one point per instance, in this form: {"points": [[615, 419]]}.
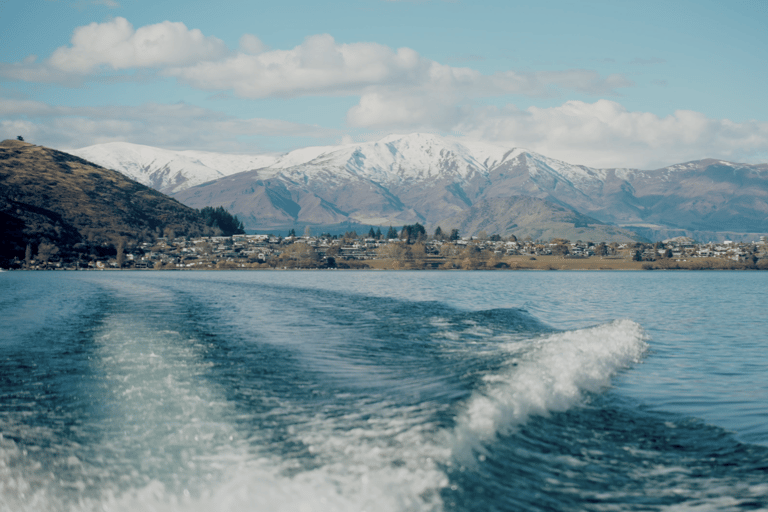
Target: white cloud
{"points": [[599, 134], [251, 44], [605, 134], [445, 98], [117, 45], [180, 126], [420, 110], [319, 66]]}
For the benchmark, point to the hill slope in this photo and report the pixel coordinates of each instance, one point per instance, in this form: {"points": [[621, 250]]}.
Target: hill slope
{"points": [[538, 219], [47, 195]]}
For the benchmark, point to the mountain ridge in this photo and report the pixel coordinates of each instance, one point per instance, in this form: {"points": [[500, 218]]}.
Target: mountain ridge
{"points": [[402, 179]]}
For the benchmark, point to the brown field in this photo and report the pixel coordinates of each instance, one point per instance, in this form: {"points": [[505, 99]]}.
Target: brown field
{"points": [[558, 263], [514, 263]]}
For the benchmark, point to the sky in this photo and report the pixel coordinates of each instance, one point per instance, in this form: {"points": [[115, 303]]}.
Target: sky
{"points": [[639, 84]]}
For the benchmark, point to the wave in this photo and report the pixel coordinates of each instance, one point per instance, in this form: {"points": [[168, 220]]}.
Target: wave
{"points": [[366, 404], [549, 374]]}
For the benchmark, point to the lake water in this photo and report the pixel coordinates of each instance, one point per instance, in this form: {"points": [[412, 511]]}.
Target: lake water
{"points": [[383, 391]]}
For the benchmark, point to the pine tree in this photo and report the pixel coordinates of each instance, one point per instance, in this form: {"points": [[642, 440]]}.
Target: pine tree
{"points": [[220, 218], [413, 232], [392, 233]]}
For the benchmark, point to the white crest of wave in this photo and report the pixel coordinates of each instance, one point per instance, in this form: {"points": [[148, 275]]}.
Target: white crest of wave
{"points": [[552, 376]]}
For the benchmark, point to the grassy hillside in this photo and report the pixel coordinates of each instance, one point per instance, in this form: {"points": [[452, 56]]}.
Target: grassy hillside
{"points": [[53, 198]]}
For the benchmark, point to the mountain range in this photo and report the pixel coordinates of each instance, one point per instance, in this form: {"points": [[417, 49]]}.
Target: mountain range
{"points": [[403, 179]]}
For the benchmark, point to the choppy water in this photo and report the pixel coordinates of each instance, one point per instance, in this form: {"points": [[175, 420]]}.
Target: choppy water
{"points": [[383, 391]]}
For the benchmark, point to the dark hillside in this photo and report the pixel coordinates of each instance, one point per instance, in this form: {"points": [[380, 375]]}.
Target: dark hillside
{"points": [[51, 197]]}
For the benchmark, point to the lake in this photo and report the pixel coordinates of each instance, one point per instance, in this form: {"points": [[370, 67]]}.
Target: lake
{"points": [[383, 391]]}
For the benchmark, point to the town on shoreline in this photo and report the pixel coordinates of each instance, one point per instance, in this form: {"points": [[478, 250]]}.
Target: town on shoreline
{"points": [[417, 252]]}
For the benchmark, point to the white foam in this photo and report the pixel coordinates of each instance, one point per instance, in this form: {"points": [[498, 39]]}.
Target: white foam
{"points": [[551, 376], [384, 463]]}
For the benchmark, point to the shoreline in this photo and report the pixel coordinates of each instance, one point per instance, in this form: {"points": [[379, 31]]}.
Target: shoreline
{"points": [[507, 263]]}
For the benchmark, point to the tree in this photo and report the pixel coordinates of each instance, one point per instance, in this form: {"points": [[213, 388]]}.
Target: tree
{"points": [[220, 218], [454, 235], [45, 251], [378, 233], [395, 251], [560, 249], [299, 255], [417, 255], [333, 251], [601, 249], [28, 256], [439, 233], [371, 233], [291, 232], [20, 138], [307, 231], [413, 232], [449, 251], [392, 233], [120, 253]]}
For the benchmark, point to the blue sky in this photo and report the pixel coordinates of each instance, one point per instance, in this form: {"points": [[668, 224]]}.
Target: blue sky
{"points": [[602, 83]]}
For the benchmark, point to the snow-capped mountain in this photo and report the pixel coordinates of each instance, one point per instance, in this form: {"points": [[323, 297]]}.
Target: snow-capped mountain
{"points": [[166, 170], [391, 160], [420, 157], [402, 179]]}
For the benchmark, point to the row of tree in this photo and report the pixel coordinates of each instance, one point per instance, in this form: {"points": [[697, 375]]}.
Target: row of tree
{"points": [[410, 233]]}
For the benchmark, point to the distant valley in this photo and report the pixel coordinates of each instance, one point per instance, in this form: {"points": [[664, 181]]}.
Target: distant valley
{"points": [[438, 181]]}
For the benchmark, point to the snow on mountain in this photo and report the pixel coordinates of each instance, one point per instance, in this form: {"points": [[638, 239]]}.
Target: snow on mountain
{"points": [[426, 178], [413, 157], [406, 158], [491, 155], [166, 170], [230, 164], [395, 159]]}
